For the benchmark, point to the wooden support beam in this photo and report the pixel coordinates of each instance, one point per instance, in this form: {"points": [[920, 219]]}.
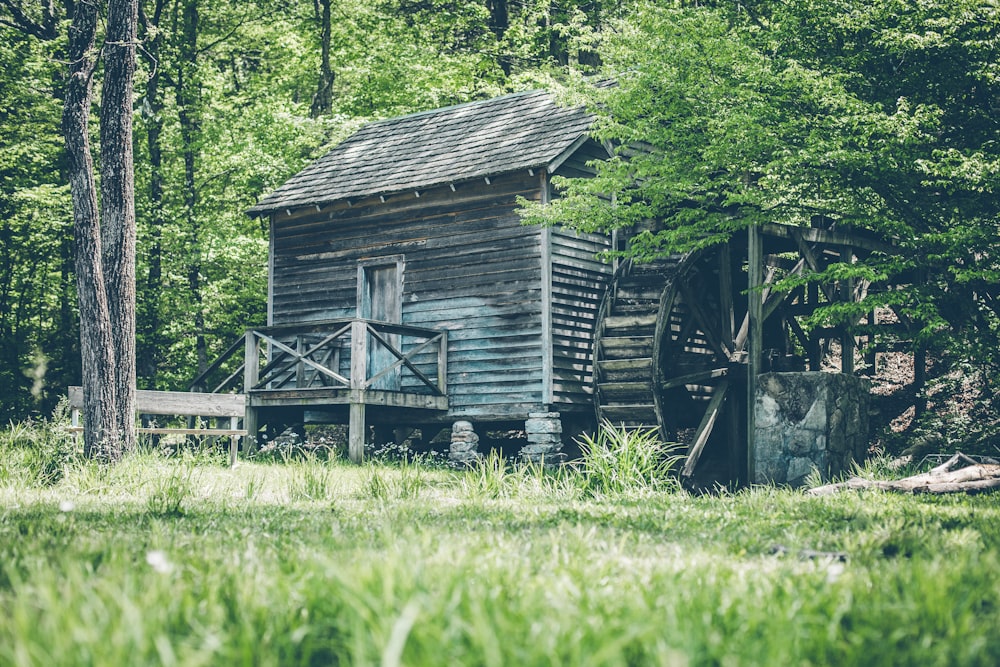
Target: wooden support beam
{"points": [[251, 370], [443, 364], [830, 238], [811, 260], [847, 338], [755, 267], [356, 431], [359, 378], [234, 440], [251, 363], [711, 335], [726, 297], [704, 430], [300, 368]]}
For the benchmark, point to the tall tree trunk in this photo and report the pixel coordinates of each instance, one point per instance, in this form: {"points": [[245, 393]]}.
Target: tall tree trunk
{"points": [[499, 23], [322, 101], [101, 439], [118, 204], [188, 119], [152, 108]]}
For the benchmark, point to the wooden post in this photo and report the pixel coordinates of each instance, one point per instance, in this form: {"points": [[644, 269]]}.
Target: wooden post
{"points": [[233, 441], [359, 376], [251, 374], [74, 421], [300, 368], [548, 351], [443, 364], [755, 268], [847, 337], [815, 343]]}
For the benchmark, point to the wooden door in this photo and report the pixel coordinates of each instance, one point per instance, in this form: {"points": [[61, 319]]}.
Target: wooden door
{"points": [[380, 296]]}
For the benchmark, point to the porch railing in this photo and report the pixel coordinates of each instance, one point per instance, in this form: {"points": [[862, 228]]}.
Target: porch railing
{"points": [[355, 354]]}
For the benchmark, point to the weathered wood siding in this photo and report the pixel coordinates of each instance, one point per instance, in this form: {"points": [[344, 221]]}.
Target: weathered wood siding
{"points": [[579, 279], [471, 267]]}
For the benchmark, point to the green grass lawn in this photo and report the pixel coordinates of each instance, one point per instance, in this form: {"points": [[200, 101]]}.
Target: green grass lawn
{"points": [[184, 561]]}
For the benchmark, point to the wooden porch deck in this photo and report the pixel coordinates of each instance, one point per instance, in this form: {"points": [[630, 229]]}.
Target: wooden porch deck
{"points": [[353, 362]]}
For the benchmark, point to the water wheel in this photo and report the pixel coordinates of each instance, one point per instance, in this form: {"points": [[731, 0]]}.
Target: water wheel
{"points": [[672, 338]]}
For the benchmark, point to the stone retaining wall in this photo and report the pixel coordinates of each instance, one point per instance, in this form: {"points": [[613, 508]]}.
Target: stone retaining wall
{"points": [[807, 421]]}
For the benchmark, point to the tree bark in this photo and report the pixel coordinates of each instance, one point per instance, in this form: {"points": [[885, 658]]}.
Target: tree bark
{"points": [[187, 98], [118, 204], [499, 23], [322, 101], [152, 108], [101, 437]]}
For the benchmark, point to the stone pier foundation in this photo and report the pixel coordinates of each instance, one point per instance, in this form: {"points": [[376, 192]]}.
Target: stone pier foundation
{"points": [[464, 444], [808, 421], [544, 431]]}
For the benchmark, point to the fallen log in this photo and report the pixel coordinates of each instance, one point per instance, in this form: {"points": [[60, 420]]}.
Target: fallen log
{"points": [[974, 477]]}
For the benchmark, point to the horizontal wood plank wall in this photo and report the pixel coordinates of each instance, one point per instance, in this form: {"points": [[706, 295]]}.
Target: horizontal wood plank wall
{"points": [[578, 283], [471, 268]]}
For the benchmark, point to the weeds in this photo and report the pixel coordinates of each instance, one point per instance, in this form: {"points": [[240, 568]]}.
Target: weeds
{"points": [[402, 482], [491, 477], [375, 484], [252, 485], [36, 453], [620, 460], [169, 491], [310, 480], [495, 477]]}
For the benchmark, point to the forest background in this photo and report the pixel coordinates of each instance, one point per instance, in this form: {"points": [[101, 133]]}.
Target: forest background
{"points": [[884, 116]]}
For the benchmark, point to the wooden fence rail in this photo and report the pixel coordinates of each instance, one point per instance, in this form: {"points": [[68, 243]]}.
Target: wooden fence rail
{"points": [[181, 404]]}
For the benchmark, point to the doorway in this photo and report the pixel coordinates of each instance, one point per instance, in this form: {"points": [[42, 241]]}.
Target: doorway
{"points": [[380, 298]]}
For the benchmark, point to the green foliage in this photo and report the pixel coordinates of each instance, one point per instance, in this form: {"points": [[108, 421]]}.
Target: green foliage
{"points": [[37, 290], [620, 460], [36, 453], [491, 477]]}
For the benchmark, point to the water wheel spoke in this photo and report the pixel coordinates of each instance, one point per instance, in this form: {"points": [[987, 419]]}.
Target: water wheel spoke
{"points": [[693, 378], [711, 334], [687, 328], [793, 325], [704, 430]]}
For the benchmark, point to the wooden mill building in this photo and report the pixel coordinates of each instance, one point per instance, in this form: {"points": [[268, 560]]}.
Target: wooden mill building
{"points": [[404, 289]]}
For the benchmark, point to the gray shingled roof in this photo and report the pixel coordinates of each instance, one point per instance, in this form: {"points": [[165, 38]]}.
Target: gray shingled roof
{"points": [[432, 148]]}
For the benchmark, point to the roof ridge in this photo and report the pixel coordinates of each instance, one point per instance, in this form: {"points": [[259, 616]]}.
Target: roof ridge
{"points": [[452, 107]]}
